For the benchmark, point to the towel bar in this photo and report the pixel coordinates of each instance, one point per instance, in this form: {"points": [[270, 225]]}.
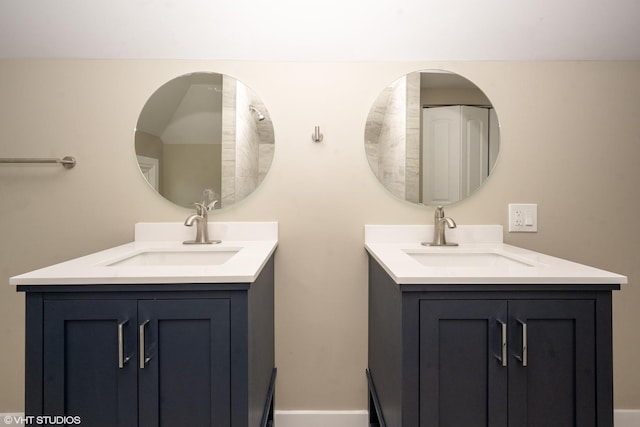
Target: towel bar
{"points": [[68, 162]]}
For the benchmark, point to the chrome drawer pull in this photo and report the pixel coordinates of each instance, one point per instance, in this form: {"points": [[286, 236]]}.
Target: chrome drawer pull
{"points": [[143, 358], [503, 344], [121, 359], [524, 357]]}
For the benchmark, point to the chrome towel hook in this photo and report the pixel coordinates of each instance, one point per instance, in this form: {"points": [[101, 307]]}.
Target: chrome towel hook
{"points": [[317, 136]]}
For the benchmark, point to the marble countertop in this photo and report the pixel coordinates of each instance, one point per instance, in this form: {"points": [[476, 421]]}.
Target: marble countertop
{"points": [[398, 247], [250, 243]]}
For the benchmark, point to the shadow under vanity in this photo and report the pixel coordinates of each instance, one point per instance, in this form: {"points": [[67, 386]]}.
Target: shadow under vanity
{"points": [[515, 339], [118, 339]]}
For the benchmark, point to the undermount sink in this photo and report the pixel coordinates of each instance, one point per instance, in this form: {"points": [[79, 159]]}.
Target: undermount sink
{"points": [[466, 259], [157, 255], [481, 257], [173, 257]]}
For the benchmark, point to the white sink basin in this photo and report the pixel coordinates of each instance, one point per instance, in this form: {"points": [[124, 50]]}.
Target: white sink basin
{"points": [[210, 256], [456, 259]]}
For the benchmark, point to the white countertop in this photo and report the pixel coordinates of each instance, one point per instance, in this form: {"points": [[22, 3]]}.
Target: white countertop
{"points": [[253, 241], [391, 246]]}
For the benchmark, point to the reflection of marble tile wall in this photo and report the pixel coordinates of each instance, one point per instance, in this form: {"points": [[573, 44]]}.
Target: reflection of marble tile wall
{"points": [[392, 137], [385, 136], [390, 119], [413, 111], [392, 147], [374, 127], [266, 140], [266, 157], [228, 141], [247, 144]]}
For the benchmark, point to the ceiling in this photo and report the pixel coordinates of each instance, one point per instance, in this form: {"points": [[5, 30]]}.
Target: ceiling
{"points": [[322, 30]]}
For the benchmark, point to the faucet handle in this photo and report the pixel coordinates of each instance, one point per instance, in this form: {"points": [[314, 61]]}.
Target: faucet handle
{"points": [[439, 213], [200, 209]]}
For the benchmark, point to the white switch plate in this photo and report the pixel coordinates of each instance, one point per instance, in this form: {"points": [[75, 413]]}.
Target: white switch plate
{"points": [[523, 218]]}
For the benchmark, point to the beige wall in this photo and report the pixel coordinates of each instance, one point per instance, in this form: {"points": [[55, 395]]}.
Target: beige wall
{"points": [[570, 134]]}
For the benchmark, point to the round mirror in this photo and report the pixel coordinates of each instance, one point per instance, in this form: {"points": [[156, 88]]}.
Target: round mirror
{"points": [[203, 137], [432, 137]]}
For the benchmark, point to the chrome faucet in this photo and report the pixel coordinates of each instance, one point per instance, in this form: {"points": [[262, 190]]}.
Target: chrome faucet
{"points": [[201, 219], [440, 222]]}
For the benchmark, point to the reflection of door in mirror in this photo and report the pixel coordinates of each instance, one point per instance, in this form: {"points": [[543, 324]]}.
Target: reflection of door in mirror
{"points": [[458, 151], [150, 169]]}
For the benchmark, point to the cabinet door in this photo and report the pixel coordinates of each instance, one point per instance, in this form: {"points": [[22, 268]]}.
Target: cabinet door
{"points": [[462, 378], [555, 386], [184, 375], [89, 361]]}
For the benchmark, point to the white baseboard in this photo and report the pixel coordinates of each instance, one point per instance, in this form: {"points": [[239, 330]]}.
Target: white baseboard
{"points": [[321, 418], [621, 418], [626, 417]]}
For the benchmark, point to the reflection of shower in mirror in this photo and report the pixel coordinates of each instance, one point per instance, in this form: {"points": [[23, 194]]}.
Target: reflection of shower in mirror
{"points": [[258, 113]]}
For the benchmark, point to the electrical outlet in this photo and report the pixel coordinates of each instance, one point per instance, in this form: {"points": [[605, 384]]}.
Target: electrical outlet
{"points": [[523, 218]]}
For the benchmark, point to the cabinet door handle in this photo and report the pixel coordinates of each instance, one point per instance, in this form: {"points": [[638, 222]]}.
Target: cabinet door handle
{"points": [[524, 355], [121, 359], [503, 343], [143, 358]]}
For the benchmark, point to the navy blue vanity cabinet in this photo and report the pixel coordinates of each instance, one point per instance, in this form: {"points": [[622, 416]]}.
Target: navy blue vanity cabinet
{"points": [[152, 355], [489, 355]]}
